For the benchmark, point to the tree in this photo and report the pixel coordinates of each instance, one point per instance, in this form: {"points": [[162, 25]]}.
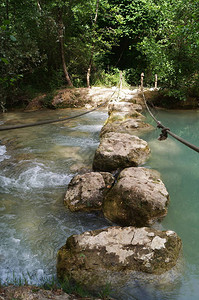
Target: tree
{"points": [[18, 50], [93, 45], [172, 50], [61, 40], [48, 43], [133, 21]]}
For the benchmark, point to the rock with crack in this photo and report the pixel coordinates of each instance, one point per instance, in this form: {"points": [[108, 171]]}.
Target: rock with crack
{"points": [[98, 257], [120, 150], [139, 198], [86, 191]]}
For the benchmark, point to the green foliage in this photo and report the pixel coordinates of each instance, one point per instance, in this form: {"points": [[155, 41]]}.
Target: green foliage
{"points": [[107, 79], [33, 27], [73, 288], [136, 36], [105, 292], [47, 100], [172, 50], [53, 284], [77, 289], [132, 76], [134, 18], [18, 50]]}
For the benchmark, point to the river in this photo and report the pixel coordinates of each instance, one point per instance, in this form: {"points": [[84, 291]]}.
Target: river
{"points": [[36, 166]]}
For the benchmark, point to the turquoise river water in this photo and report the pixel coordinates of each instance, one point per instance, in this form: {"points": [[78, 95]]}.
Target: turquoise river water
{"points": [[36, 164]]}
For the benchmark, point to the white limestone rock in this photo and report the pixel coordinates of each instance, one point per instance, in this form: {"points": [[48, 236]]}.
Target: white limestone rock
{"points": [[98, 257]]}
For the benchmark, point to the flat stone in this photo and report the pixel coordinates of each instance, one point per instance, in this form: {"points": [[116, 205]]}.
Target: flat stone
{"points": [[138, 198], [122, 116], [131, 126], [121, 106], [120, 150], [95, 258]]}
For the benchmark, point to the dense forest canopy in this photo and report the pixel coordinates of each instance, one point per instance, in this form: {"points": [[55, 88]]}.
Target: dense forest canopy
{"points": [[45, 44]]}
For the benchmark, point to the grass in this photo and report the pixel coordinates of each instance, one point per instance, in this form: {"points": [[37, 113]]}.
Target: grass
{"points": [[68, 286]]}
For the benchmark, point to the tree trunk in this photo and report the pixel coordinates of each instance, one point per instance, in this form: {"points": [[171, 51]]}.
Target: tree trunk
{"points": [[61, 40], [89, 67], [7, 10], [88, 76], [39, 5], [92, 48]]}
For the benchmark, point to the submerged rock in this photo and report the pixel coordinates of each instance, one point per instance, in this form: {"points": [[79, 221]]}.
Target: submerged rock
{"points": [[98, 257], [86, 192], [120, 150], [139, 198]]}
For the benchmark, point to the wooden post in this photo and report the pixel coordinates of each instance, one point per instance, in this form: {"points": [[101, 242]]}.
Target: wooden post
{"points": [[156, 81], [142, 82], [121, 80]]}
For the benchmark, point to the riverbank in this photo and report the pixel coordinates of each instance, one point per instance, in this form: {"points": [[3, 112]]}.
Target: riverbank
{"points": [[90, 98], [26, 292], [78, 98]]}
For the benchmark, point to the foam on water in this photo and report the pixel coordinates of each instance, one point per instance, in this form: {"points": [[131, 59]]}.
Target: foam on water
{"points": [[40, 177], [35, 177], [2, 153]]}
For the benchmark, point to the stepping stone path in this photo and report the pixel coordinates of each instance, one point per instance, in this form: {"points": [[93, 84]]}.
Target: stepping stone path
{"points": [[131, 195]]}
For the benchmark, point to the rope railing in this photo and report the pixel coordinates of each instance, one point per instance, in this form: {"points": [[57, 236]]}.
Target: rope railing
{"points": [[6, 128], [165, 130]]}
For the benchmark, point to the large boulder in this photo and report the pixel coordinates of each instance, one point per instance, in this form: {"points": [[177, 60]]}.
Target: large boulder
{"points": [[86, 192], [131, 126], [120, 150], [139, 198], [96, 258]]}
